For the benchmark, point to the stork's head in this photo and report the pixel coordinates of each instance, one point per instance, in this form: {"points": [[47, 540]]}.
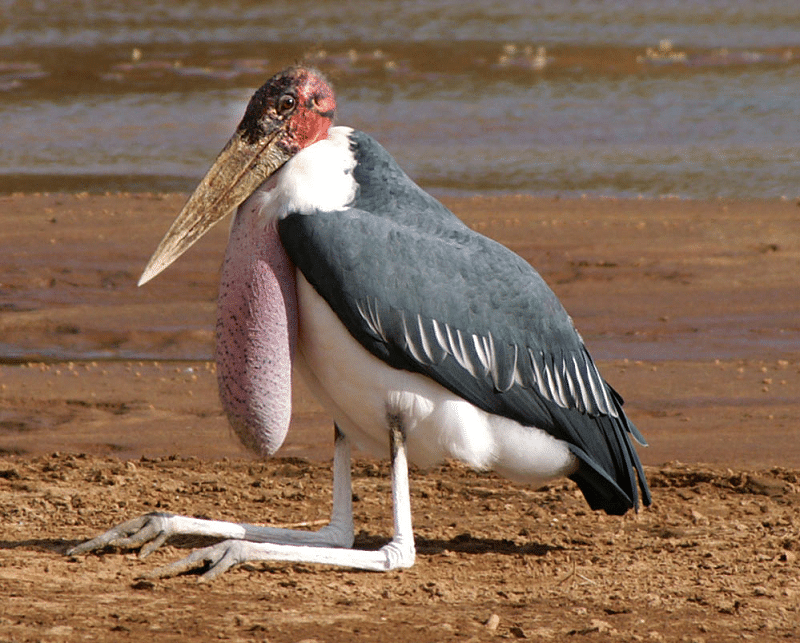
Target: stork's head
{"points": [[293, 110]]}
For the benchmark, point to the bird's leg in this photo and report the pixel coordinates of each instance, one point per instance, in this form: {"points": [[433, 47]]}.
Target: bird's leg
{"points": [[152, 530], [402, 545], [398, 553], [339, 531]]}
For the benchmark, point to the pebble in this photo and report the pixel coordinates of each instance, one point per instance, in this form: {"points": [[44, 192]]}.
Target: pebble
{"points": [[492, 622]]}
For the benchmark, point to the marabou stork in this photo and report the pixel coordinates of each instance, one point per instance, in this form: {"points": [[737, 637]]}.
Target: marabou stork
{"points": [[422, 338]]}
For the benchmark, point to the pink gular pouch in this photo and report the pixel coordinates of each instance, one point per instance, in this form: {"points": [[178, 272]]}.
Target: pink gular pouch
{"points": [[256, 333]]}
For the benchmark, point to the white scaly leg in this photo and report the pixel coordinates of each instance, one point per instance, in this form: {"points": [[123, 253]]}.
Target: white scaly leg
{"points": [[401, 551], [339, 531], [152, 530], [398, 553], [218, 558]]}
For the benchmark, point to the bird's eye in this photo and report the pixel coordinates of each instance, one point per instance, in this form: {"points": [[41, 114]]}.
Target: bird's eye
{"points": [[286, 104]]}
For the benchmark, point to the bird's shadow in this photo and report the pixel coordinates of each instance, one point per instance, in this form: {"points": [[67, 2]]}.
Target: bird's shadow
{"points": [[52, 545], [463, 543]]}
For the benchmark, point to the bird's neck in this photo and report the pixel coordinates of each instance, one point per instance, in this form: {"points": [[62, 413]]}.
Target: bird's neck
{"points": [[256, 332]]}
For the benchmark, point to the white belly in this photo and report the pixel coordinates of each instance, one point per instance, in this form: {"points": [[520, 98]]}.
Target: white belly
{"points": [[359, 390]]}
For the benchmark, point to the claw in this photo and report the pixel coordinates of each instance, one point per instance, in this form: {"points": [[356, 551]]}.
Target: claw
{"points": [[149, 548], [149, 532], [218, 558]]}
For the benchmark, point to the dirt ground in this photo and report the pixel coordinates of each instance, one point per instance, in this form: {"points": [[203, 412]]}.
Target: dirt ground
{"points": [[108, 410], [714, 560]]}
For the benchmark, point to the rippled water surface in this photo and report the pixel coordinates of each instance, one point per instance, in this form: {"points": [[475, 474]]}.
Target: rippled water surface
{"points": [[696, 99]]}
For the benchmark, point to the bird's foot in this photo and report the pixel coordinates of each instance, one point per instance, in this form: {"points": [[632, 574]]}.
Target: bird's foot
{"points": [[148, 532], [217, 559], [154, 529]]}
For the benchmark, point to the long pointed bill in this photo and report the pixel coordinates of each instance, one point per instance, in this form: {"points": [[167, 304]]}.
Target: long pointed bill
{"points": [[239, 169]]}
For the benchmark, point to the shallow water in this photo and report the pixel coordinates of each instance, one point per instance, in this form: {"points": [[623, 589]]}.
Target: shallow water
{"points": [[695, 99]]}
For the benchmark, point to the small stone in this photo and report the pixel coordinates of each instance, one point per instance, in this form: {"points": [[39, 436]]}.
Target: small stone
{"points": [[492, 622], [762, 486], [598, 625], [143, 584]]}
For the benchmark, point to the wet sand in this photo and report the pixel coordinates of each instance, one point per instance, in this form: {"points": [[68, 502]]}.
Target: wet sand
{"points": [[691, 309]]}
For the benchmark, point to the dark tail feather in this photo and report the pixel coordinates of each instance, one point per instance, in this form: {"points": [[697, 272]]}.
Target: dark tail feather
{"points": [[600, 491], [614, 485]]}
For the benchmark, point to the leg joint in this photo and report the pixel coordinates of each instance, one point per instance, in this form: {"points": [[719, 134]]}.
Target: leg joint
{"points": [[397, 435]]}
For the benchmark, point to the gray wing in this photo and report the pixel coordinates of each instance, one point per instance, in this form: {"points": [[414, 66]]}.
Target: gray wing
{"points": [[434, 297]]}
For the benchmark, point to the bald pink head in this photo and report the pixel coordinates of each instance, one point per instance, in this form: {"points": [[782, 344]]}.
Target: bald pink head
{"points": [[292, 110], [297, 104]]}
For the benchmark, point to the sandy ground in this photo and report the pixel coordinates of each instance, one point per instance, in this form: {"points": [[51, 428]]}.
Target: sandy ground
{"points": [[108, 409]]}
